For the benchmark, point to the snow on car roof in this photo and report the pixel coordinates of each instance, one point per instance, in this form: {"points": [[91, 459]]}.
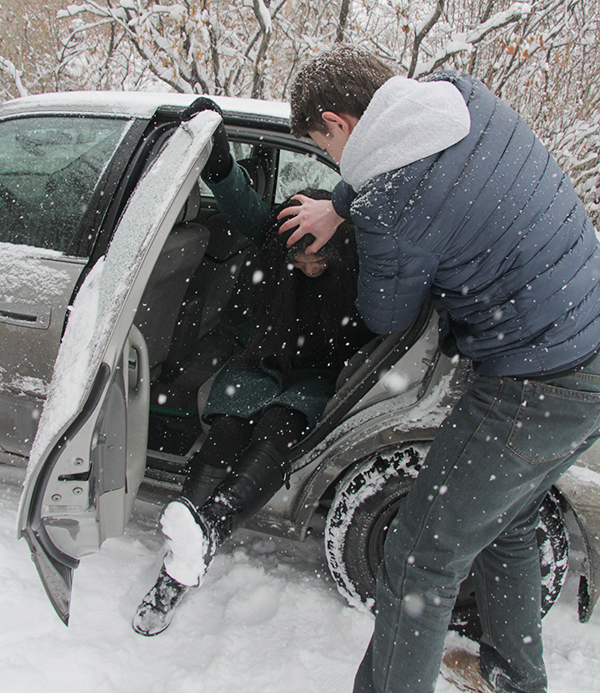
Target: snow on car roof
{"points": [[137, 104]]}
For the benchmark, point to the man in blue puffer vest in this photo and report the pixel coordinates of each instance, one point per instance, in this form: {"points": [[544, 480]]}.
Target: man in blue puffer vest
{"points": [[453, 195]]}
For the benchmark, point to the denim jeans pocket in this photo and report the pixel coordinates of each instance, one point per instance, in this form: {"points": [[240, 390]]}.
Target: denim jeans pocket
{"points": [[552, 422]]}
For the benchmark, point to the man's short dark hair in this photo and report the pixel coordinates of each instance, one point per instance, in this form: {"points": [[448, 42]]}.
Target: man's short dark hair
{"points": [[341, 80]]}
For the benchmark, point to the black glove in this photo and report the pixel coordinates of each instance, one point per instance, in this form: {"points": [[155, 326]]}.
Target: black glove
{"points": [[219, 163]]}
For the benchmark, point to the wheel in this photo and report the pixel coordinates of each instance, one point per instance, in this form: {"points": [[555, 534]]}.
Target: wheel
{"points": [[366, 502]]}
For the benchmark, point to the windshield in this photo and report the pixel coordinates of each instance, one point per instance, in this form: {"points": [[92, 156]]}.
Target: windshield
{"points": [[49, 170]]}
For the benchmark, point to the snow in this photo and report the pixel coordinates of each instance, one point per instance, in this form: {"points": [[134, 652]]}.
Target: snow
{"points": [[465, 41], [135, 103], [16, 74], [263, 16], [188, 545], [268, 619], [18, 261], [28, 384]]}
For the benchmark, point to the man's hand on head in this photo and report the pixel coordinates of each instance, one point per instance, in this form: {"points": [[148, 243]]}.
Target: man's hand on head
{"points": [[310, 216]]}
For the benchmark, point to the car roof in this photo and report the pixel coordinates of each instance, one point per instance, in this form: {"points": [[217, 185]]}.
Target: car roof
{"points": [[136, 104]]}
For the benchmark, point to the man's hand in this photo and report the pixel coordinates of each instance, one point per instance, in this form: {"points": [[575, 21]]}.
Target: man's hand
{"points": [[310, 216]]}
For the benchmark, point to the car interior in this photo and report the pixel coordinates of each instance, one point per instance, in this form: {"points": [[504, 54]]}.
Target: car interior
{"points": [[197, 295]]}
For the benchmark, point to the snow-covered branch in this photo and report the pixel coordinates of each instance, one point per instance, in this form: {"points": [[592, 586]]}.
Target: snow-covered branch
{"points": [[421, 31], [541, 56], [263, 16], [466, 41], [15, 74]]}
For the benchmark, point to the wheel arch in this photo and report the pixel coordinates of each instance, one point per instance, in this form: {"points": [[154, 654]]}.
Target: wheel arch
{"points": [[333, 466]]}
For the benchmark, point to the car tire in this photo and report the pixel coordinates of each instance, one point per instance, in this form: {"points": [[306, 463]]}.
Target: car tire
{"points": [[365, 503]]}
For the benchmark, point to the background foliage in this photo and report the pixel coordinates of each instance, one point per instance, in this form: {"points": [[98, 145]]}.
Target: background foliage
{"points": [[542, 56]]}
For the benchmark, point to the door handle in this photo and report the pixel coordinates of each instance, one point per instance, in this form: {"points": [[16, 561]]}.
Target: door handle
{"points": [[34, 315]]}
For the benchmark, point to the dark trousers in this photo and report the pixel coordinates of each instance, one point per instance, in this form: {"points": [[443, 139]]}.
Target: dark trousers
{"points": [[476, 500], [230, 436]]}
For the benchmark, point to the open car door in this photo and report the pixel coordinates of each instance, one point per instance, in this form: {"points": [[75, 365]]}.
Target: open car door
{"points": [[89, 454]]}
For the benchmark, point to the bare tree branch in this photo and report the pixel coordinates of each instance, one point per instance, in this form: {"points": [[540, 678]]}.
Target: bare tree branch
{"points": [[343, 20], [422, 33]]}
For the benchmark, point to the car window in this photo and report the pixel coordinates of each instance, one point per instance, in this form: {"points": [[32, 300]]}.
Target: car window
{"points": [[49, 169], [298, 171]]}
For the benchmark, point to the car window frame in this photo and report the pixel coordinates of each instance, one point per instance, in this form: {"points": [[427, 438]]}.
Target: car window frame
{"points": [[272, 136]]}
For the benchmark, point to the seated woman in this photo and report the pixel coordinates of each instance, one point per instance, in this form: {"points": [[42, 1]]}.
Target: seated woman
{"points": [[267, 398]]}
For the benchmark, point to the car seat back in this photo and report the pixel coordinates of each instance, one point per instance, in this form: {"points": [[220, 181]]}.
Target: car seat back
{"points": [[180, 256]]}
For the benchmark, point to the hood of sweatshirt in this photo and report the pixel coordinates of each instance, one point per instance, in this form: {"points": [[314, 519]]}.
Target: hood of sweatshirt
{"points": [[405, 121]]}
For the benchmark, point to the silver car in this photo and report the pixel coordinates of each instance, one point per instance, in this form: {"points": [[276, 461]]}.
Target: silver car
{"points": [[121, 286]]}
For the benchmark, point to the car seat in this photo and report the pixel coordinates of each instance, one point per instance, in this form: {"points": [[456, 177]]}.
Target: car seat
{"points": [[180, 256]]}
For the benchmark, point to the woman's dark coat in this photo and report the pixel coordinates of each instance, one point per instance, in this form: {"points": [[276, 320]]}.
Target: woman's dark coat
{"points": [[240, 389]]}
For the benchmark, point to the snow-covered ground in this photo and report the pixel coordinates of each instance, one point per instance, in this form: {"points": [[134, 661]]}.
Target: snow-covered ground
{"points": [[268, 620]]}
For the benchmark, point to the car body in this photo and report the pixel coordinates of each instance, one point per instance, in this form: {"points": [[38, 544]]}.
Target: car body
{"points": [[121, 285]]}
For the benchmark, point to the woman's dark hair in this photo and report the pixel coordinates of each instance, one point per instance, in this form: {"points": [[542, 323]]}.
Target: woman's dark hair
{"points": [[297, 315]]}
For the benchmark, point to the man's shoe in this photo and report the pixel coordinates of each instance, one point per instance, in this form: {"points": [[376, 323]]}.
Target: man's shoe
{"points": [[462, 669]]}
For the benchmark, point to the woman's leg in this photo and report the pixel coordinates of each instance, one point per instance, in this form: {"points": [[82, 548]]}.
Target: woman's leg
{"points": [[259, 473], [194, 535], [227, 439]]}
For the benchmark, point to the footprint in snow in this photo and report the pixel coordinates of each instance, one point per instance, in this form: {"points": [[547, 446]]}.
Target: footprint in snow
{"points": [[251, 607]]}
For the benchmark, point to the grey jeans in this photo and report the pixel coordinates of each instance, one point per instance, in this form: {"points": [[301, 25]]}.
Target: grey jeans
{"points": [[476, 502]]}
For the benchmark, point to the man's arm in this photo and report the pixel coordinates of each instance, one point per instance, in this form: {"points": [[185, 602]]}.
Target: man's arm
{"points": [[394, 279], [318, 217]]}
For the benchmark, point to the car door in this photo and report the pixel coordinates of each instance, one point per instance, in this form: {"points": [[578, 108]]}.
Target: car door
{"points": [[56, 175], [89, 454]]}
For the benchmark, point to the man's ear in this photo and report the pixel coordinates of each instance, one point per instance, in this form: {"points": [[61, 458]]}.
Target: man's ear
{"points": [[346, 123]]}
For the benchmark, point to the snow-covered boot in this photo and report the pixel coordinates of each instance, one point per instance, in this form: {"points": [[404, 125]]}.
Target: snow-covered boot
{"points": [[157, 608], [190, 551], [191, 540], [194, 535]]}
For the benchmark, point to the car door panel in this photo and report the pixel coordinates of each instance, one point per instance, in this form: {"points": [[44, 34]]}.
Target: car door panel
{"points": [[54, 170], [91, 442], [35, 290]]}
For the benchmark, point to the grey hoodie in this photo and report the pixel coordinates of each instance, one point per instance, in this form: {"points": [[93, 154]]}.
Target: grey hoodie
{"points": [[405, 121]]}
